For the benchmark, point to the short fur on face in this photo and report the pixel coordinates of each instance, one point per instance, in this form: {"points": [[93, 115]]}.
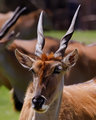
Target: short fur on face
{"points": [[48, 72]]}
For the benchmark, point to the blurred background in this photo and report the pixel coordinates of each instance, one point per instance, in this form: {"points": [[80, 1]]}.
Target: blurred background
{"points": [[60, 13]]}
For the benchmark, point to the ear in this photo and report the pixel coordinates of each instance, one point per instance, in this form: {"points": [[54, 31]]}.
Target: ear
{"points": [[23, 59], [71, 58]]}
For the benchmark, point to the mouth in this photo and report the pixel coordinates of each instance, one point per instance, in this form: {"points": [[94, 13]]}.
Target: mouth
{"points": [[41, 110]]}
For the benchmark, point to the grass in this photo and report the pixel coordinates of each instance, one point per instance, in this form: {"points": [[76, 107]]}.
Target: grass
{"points": [[82, 36], [6, 109]]}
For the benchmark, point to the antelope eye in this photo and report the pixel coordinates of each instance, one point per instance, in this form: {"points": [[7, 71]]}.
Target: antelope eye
{"points": [[57, 69], [33, 71]]}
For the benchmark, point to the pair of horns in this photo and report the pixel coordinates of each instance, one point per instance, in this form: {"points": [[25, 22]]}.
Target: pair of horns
{"points": [[64, 41]]}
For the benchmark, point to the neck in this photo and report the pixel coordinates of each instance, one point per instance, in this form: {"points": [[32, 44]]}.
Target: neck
{"points": [[10, 75]]}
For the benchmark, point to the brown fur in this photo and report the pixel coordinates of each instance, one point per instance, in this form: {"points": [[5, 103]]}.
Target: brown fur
{"points": [[26, 112], [85, 68], [49, 57], [29, 47], [15, 79], [85, 59], [45, 83], [43, 67], [72, 76], [26, 24], [79, 102]]}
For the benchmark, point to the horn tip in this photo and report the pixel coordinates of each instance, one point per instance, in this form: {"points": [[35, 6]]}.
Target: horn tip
{"points": [[16, 51], [42, 12], [79, 6]]}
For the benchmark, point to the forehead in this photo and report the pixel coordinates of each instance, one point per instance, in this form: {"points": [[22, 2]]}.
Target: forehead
{"points": [[39, 63]]}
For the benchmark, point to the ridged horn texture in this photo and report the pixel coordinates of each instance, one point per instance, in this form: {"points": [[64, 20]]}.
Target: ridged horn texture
{"points": [[64, 41], [40, 36], [19, 10]]}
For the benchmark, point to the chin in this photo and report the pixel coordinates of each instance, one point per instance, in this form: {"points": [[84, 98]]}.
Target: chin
{"points": [[42, 110]]}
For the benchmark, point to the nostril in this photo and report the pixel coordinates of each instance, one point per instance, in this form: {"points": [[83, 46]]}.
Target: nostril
{"points": [[41, 100], [34, 100], [38, 101]]}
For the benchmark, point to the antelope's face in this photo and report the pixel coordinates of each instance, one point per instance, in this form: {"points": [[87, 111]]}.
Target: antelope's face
{"points": [[48, 70], [48, 77], [46, 83], [46, 80]]}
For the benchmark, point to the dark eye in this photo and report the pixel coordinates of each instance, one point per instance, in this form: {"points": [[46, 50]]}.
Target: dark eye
{"points": [[57, 69], [33, 71]]}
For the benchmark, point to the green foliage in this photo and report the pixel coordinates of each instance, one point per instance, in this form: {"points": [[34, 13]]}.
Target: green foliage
{"points": [[6, 108]]}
